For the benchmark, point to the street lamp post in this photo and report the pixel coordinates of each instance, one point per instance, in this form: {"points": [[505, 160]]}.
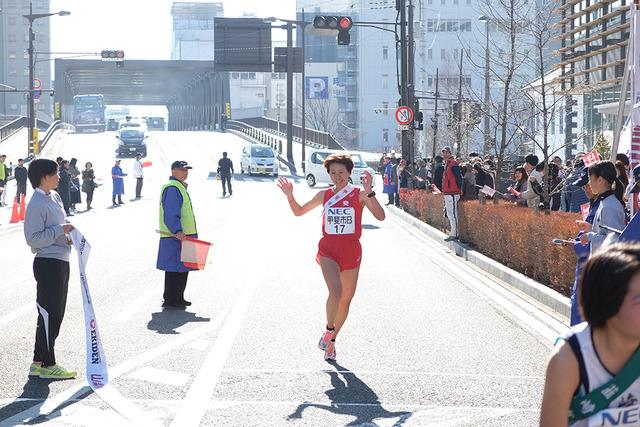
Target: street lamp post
{"points": [[487, 99], [32, 108], [289, 27]]}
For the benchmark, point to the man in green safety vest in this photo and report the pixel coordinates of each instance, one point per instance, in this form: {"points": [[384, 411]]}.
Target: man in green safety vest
{"points": [[177, 222]]}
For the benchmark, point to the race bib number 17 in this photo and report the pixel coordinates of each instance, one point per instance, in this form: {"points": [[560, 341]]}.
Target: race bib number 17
{"points": [[340, 221]]}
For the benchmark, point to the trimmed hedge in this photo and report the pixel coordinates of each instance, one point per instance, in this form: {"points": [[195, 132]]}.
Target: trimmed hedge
{"points": [[517, 237]]}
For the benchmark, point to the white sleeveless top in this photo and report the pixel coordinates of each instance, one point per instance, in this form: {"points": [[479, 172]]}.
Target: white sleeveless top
{"points": [[625, 410]]}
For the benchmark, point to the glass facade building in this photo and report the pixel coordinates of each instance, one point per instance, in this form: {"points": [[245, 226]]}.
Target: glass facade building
{"points": [[594, 38]]}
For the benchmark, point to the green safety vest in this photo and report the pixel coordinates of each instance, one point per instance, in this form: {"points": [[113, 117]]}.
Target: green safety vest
{"points": [[2, 172], [187, 218]]}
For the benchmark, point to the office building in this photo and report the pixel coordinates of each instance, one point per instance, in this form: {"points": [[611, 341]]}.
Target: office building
{"points": [[14, 59], [594, 38]]}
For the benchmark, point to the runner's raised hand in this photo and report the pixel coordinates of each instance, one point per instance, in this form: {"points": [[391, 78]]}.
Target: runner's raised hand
{"points": [[367, 181], [286, 187]]}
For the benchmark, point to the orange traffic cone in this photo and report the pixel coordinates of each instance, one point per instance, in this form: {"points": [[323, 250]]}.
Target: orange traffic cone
{"points": [[14, 215], [22, 207]]}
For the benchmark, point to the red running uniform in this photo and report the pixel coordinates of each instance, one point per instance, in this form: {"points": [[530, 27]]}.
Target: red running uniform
{"points": [[341, 230]]}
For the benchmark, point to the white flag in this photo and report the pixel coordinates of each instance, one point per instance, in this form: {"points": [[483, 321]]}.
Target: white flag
{"points": [[97, 374], [488, 191]]}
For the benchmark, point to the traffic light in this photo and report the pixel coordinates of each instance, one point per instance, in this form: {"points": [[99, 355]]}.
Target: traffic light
{"points": [[112, 54], [476, 113], [340, 23], [418, 116], [116, 56], [455, 107]]}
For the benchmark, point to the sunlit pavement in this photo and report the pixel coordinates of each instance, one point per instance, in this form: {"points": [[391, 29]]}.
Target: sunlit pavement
{"points": [[427, 342]]}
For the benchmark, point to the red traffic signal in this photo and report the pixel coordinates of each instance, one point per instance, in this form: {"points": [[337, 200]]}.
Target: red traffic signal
{"points": [[345, 23], [341, 23]]}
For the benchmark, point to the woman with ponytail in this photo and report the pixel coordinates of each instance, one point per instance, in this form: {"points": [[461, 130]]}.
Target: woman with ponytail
{"points": [[609, 206]]}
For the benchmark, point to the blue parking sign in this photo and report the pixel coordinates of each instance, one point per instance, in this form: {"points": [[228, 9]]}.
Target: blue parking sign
{"points": [[317, 87]]}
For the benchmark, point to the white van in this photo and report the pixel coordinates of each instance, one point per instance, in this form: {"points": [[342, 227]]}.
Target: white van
{"points": [[260, 159], [317, 174]]}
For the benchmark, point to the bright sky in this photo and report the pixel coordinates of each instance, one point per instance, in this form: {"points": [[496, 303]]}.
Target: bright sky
{"points": [[142, 28]]}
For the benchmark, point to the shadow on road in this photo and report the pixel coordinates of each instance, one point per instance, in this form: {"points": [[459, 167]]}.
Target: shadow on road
{"points": [[167, 321], [351, 396], [36, 390], [370, 227]]}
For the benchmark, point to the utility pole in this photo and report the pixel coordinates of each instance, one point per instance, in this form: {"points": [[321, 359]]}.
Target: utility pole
{"points": [[32, 107], [459, 124], [411, 87], [487, 96], [304, 97], [435, 121], [404, 98], [290, 96]]}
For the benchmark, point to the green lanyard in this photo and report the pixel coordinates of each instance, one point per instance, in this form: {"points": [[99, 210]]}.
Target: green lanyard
{"points": [[585, 406]]}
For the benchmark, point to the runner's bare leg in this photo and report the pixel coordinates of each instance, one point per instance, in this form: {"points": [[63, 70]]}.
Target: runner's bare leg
{"points": [[349, 280], [331, 273]]}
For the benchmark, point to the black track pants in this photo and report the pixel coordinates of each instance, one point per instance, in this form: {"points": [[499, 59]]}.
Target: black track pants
{"points": [[52, 277]]}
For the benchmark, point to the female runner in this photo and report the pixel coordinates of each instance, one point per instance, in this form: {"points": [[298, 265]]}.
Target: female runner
{"points": [[592, 376], [339, 250]]}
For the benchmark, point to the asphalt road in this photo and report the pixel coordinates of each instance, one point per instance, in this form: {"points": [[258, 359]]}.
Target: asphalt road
{"points": [[429, 340]]}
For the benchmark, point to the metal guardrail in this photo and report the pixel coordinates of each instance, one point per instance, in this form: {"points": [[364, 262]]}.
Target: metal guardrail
{"points": [[312, 136], [11, 128], [258, 135], [17, 124], [51, 130]]}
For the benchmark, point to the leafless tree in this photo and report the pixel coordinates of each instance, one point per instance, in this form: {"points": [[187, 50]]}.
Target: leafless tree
{"points": [[508, 56], [545, 98]]}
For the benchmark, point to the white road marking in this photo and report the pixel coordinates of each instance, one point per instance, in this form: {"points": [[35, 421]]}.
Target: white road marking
{"points": [[390, 373], [72, 393], [222, 403], [218, 403], [134, 307], [199, 345], [13, 315], [160, 376], [195, 402]]}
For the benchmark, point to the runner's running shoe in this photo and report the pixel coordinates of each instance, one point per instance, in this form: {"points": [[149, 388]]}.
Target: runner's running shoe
{"points": [[330, 352], [34, 370], [324, 339], [56, 372]]}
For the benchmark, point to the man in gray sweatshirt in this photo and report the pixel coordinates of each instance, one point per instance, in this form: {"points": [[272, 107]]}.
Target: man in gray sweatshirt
{"points": [[45, 230]]}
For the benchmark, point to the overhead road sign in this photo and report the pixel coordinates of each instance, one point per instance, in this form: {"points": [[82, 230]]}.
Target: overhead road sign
{"points": [[242, 44], [280, 60]]}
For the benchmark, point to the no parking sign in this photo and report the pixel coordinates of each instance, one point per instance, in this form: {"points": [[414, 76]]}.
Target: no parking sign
{"points": [[404, 115]]}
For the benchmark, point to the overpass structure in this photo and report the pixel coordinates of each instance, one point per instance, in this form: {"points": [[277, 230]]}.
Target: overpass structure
{"points": [[195, 94]]}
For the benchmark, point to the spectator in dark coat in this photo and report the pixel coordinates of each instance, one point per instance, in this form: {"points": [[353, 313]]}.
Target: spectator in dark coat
{"points": [[21, 180], [64, 186], [483, 178], [574, 196], [555, 199], [394, 180], [404, 174], [469, 190], [438, 172]]}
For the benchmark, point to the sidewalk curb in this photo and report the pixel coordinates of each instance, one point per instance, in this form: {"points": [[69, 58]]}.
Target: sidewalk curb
{"points": [[553, 300]]}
